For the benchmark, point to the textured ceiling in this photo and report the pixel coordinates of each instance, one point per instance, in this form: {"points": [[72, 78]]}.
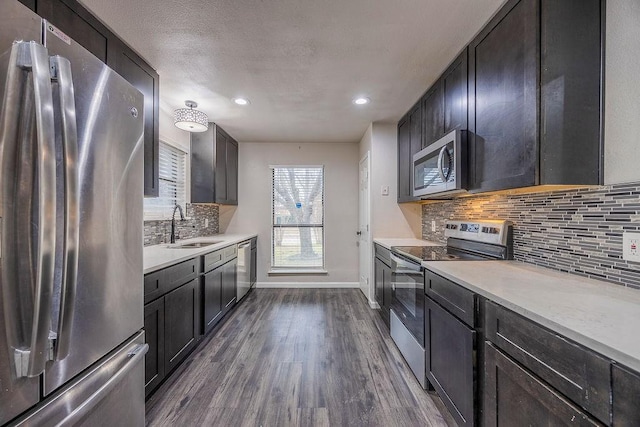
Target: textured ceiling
{"points": [[300, 62]]}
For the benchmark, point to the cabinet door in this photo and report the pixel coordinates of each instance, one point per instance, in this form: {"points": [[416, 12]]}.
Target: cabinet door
{"points": [[254, 265], [433, 110], [144, 78], [182, 322], [450, 361], [379, 281], [212, 298], [515, 397], [415, 119], [76, 22], [232, 172], [221, 166], [454, 87], [388, 291], [503, 99], [626, 389], [154, 337], [31, 4], [405, 162], [229, 285]]}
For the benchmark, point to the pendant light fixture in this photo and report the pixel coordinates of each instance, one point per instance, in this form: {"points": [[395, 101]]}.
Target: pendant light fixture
{"points": [[189, 119]]}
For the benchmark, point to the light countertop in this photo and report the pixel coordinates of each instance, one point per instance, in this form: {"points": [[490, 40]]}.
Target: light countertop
{"points": [[599, 315], [160, 256], [389, 242]]}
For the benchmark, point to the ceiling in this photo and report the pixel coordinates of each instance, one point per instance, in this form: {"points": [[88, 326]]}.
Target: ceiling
{"points": [[300, 62]]}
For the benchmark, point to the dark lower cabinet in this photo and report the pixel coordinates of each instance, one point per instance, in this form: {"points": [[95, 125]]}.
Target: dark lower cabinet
{"points": [[212, 298], [383, 291], [626, 391], [450, 360], [254, 264], [154, 336], [514, 397], [182, 323], [229, 285]]}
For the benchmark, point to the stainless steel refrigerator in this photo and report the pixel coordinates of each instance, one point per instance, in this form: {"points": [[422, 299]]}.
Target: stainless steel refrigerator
{"points": [[71, 189]]}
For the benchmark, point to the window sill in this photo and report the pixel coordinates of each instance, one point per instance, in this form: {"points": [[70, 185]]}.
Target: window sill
{"points": [[298, 271]]}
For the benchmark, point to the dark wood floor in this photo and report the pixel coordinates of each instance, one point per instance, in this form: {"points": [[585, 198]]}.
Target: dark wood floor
{"points": [[309, 357]]}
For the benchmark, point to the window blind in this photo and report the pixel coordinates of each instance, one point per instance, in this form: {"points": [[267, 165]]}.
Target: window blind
{"points": [[297, 217], [172, 185]]}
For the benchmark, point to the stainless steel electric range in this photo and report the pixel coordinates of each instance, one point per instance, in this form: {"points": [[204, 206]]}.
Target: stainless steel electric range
{"points": [[485, 240]]}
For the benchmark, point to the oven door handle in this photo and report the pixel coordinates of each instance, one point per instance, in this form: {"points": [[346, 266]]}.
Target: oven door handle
{"points": [[404, 264]]}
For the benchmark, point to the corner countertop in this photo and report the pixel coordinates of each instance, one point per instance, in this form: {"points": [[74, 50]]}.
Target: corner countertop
{"points": [[601, 316], [389, 242], [160, 256]]}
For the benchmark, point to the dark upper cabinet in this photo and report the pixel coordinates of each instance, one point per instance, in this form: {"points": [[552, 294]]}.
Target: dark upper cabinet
{"points": [[433, 109], [214, 167], [144, 78], [154, 337], [455, 93], [534, 96], [409, 143], [79, 24], [31, 4], [75, 21], [405, 169]]}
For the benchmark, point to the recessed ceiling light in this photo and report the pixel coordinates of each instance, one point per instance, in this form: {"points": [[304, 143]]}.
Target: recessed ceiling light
{"points": [[361, 101], [241, 101]]}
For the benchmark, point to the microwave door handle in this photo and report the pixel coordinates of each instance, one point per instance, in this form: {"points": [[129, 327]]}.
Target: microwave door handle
{"points": [[440, 166], [61, 69]]}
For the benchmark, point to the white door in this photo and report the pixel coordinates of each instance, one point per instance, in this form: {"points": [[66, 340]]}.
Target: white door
{"points": [[364, 234]]}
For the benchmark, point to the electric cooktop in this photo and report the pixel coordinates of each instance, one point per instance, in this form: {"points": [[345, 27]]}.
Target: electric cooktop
{"points": [[437, 253]]}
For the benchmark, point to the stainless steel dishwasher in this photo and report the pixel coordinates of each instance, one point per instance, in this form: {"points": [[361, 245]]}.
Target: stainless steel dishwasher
{"points": [[244, 268]]}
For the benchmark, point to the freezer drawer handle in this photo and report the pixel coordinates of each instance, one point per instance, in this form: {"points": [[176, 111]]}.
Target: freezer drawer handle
{"points": [[30, 115], [135, 355]]}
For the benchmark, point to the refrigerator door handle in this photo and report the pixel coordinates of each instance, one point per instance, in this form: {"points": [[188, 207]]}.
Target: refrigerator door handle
{"points": [[31, 342], [136, 355], [61, 73]]}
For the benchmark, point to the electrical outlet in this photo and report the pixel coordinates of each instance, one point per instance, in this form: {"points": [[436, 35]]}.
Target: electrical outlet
{"points": [[384, 190], [631, 246], [206, 223], [433, 226]]}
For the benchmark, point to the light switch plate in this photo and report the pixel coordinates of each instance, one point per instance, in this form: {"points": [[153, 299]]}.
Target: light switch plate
{"points": [[433, 226], [631, 246], [384, 190], [206, 223]]}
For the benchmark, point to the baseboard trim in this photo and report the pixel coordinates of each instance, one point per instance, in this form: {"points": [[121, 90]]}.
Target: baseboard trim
{"points": [[307, 285], [374, 305]]}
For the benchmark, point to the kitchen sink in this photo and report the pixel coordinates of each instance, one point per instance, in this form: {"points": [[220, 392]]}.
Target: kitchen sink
{"points": [[193, 245]]}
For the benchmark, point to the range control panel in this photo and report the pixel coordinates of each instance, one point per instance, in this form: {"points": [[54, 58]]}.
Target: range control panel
{"points": [[487, 231]]}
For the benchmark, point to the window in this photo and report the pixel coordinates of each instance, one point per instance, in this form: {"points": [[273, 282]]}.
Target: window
{"points": [[172, 186], [297, 232]]}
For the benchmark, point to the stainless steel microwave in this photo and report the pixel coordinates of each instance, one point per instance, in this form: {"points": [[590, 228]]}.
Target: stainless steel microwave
{"points": [[440, 169]]}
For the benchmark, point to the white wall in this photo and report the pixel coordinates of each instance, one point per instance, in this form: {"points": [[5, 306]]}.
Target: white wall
{"points": [[622, 92], [341, 206]]}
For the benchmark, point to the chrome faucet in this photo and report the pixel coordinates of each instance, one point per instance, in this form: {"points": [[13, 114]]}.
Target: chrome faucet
{"points": [[173, 222]]}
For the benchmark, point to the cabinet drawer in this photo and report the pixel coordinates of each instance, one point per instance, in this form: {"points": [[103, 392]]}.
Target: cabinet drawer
{"points": [[453, 297], [514, 397], [383, 253], [153, 283], [230, 252], [578, 373], [213, 260], [626, 389], [180, 274]]}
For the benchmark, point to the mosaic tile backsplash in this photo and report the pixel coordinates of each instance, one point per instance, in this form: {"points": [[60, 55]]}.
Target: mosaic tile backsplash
{"points": [[156, 232], [575, 231]]}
